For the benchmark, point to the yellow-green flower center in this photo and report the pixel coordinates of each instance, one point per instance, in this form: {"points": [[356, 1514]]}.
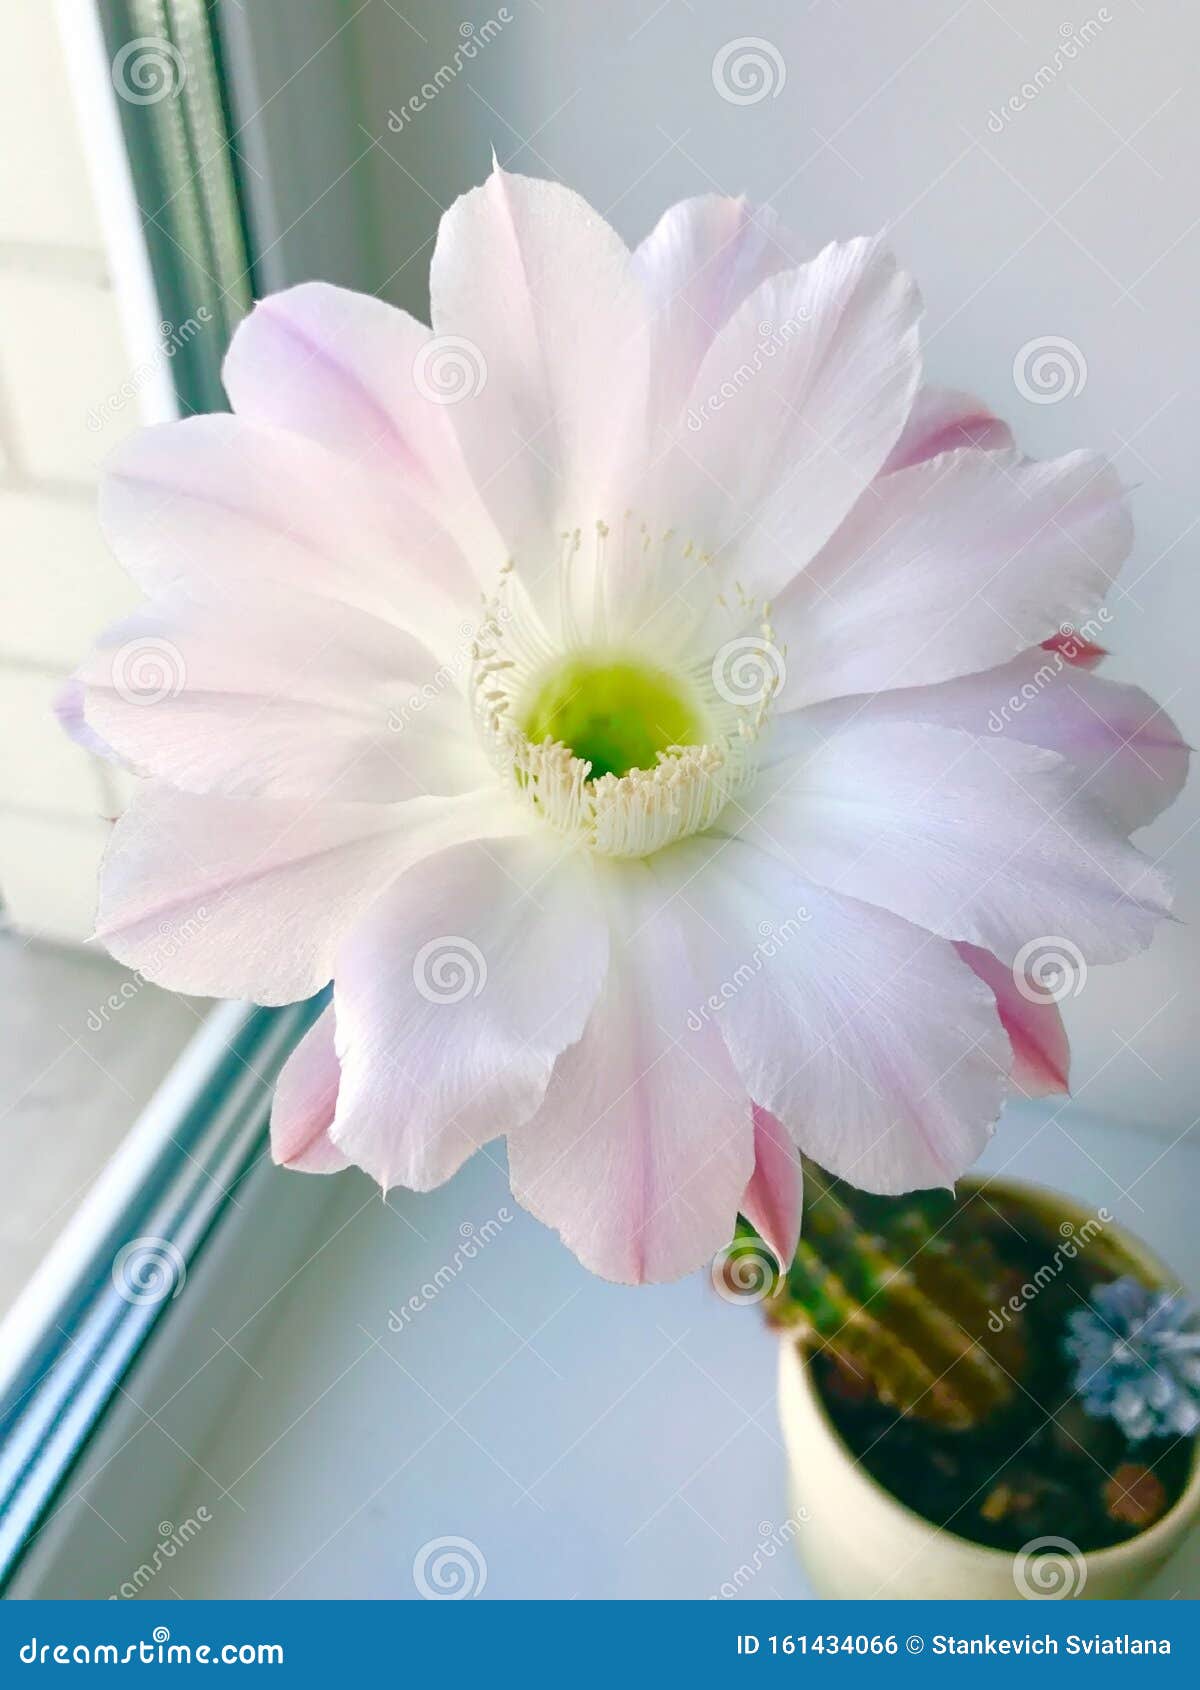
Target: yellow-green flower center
{"points": [[622, 749], [616, 715]]}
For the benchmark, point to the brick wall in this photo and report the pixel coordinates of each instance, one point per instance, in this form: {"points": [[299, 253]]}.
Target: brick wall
{"points": [[64, 362]]}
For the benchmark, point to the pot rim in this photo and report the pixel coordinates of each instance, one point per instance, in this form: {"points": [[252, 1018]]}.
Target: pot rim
{"points": [[1186, 1504]]}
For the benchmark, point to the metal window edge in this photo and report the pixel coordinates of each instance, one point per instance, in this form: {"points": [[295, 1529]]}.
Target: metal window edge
{"points": [[84, 1319], [182, 161]]}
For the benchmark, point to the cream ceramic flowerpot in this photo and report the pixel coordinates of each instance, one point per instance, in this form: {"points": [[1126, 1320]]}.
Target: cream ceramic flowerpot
{"points": [[856, 1540]]}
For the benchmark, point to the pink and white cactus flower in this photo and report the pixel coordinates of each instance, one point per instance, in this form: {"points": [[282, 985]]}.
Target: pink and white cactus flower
{"points": [[655, 711]]}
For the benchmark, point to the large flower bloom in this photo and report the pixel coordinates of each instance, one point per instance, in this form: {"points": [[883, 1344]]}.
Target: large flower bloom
{"points": [[646, 703]]}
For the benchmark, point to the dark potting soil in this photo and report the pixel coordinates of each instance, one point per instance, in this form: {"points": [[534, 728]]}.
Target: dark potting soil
{"points": [[1041, 1467]]}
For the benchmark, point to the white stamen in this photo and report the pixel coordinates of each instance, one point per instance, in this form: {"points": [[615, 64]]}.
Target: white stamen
{"points": [[628, 815]]}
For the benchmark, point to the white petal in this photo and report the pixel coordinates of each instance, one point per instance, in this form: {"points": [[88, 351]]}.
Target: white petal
{"points": [[69, 710], [773, 1202], [224, 508], [1128, 754], [306, 698], [875, 1045], [699, 262], [453, 1001], [950, 567], [250, 898], [541, 294], [794, 410], [360, 377], [984, 841], [1041, 1053], [305, 1098], [943, 420], [644, 1145]]}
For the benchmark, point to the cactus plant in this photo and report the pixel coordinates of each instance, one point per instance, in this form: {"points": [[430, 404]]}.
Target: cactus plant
{"points": [[901, 1294], [958, 1346]]}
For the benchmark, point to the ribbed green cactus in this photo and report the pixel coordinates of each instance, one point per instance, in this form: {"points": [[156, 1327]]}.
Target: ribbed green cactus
{"points": [[902, 1294]]}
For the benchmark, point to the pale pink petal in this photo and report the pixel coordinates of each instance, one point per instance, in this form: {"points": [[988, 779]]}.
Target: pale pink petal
{"points": [[250, 898], [453, 1000], [801, 398], [540, 293], [305, 698], [984, 841], [366, 380], [699, 262], [305, 1098], [643, 1148], [68, 707], [225, 508], [943, 420], [951, 567], [874, 1044], [774, 1199], [1041, 1052], [1128, 754]]}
